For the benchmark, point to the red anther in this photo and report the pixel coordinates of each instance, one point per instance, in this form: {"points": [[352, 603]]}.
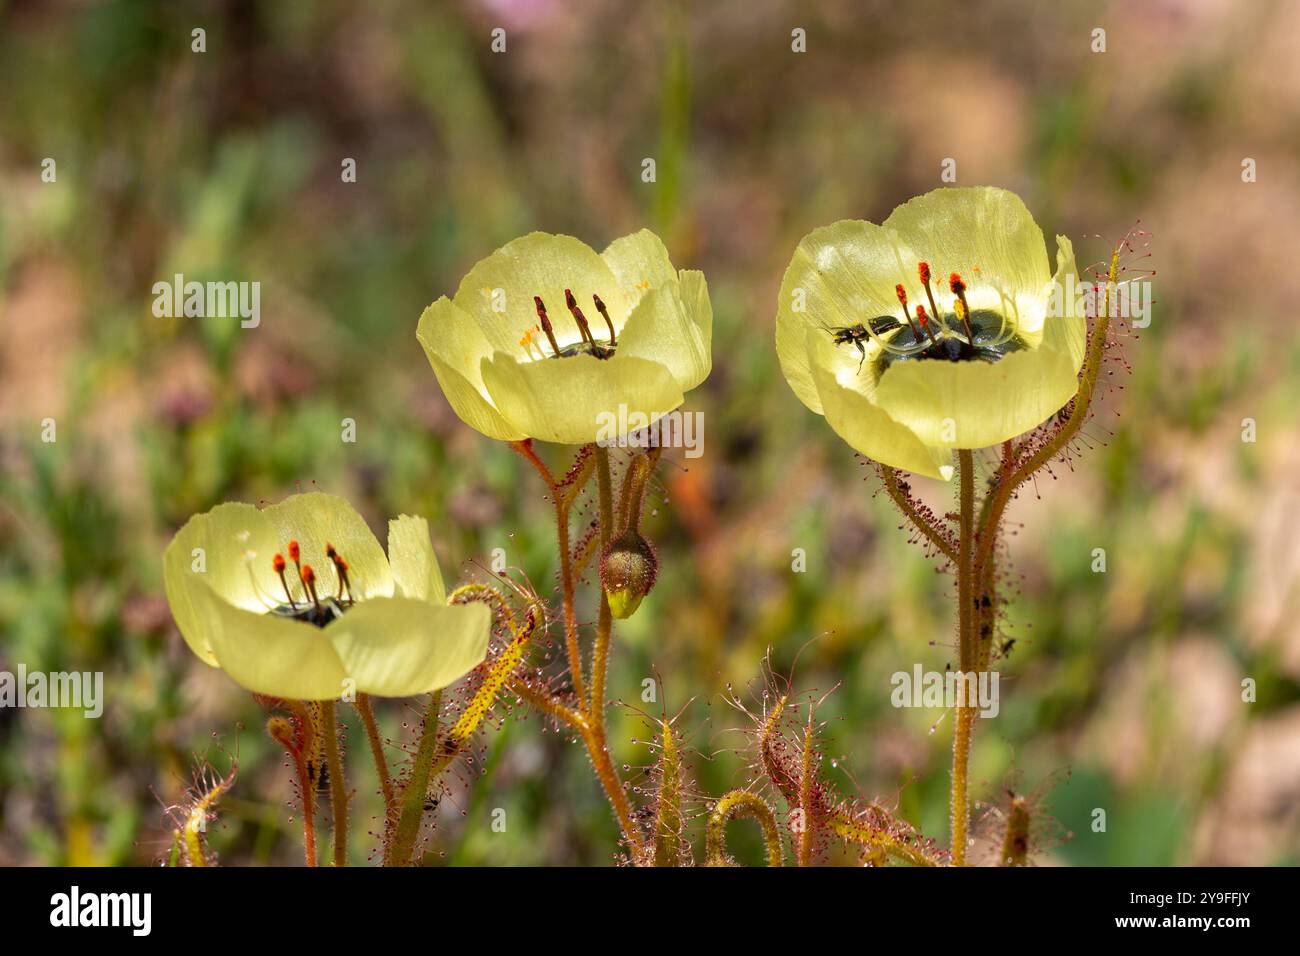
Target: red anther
{"points": [[569, 300], [923, 270], [956, 284], [604, 314], [541, 312], [329, 551], [901, 293], [308, 575], [546, 324], [925, 323], [293, 551], [277, 564]]}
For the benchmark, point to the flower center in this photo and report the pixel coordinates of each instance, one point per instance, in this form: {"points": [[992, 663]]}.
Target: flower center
{"points": [[954, 333], [586, 345], [307, 605]]}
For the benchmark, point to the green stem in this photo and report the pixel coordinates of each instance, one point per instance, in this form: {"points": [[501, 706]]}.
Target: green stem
{"points": [[367, 713], [338, 785], [965, 617], [605, 620], [402, 846]]}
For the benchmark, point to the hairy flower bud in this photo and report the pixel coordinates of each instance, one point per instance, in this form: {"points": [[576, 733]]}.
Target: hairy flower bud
{"points": [[627, 572]]}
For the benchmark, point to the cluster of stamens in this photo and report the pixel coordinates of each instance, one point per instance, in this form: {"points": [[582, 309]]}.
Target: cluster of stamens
{"points": [[923, 325], [932, 333], [312, 607], [588, 344]]}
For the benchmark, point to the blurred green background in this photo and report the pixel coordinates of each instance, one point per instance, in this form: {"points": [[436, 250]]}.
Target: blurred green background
{"points": [[226, 164]]}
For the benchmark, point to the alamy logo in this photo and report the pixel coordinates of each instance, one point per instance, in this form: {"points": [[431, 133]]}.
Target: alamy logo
{"points": [[214, 300], [947, 689], [631, 429], [134, 910], [77, 689]]}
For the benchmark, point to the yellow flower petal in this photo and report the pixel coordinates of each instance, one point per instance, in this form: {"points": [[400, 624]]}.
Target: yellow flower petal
{"points": [[576, 400], [314, 520], [961, 229], [640, 263], [498, 292], [455, 347], [695, 299], [841, 275], [975, 404], [867, 427], [272, 655], [1068, 331], [398, 647], [414, 565], [661, 330], [226, 552]]}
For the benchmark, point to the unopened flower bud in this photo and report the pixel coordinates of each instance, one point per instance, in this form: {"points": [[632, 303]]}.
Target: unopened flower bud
{"points": [[627, 572]]}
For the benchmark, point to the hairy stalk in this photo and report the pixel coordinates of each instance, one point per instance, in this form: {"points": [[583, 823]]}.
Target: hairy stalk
{"points": [[807, 770], [605, 620], [196, 823], [837, 819], [502, 667], [1088, 378], [402, 845], [965, 617], [547, 704], [338, 784], [740, 805], [932, 534], [567, 583], [668, 813], [562, 496], [367, 713], [296, 738], [863, 834]]}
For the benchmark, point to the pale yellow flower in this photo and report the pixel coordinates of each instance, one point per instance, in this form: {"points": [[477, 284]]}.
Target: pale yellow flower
{"points": [[546, 339], [298, 600], [905, 371]]}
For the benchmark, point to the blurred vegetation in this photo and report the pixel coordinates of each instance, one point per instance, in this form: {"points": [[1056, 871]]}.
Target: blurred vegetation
{"points": [[226, 164]]}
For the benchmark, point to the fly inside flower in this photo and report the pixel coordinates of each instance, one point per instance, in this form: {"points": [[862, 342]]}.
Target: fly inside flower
{"points": [[587, 343], [302, 600], [951, 331]]}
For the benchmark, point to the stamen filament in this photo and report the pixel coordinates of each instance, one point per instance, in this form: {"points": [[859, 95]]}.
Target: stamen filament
{"points": [[963, 310], [923, 270], [578, 317], [546, 325], [277, 563], [902, 298], [600, 307], [309, 582], [925, 324]]}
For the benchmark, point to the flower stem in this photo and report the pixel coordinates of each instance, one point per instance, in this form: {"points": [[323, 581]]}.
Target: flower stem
{"points": [[402, 845], [338, 786], [567, 595], [605, 620], [738, 805], [367, 713], [597, 744], [1078, 415], [905, 504], [966, 644]]}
